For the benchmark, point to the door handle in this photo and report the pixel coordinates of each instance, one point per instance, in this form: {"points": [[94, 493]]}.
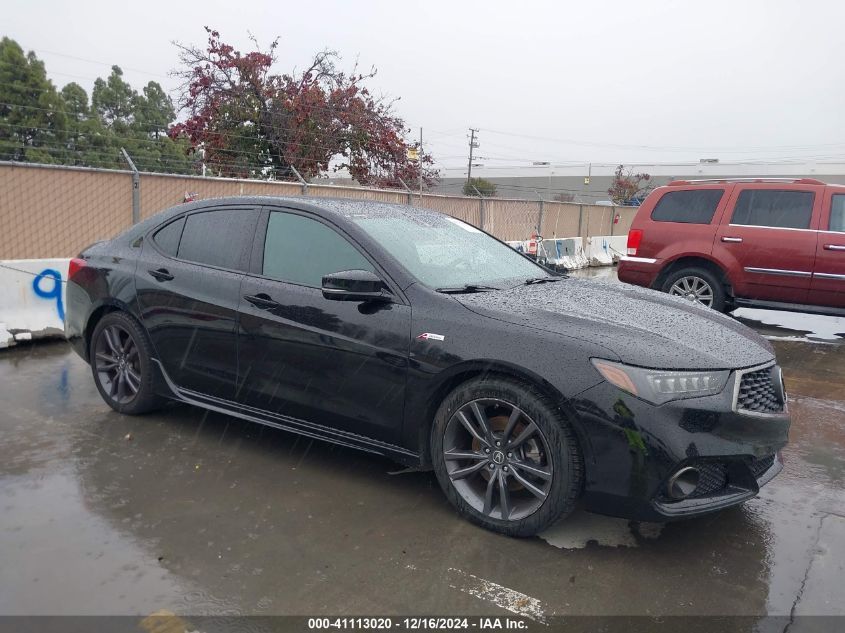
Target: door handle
{"points": [[161, 274], [834, 247], [262, 301], [732, 239]]}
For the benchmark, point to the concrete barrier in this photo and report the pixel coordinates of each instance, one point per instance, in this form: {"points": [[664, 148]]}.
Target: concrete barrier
{"points": [[32, 299], [576, 252], [604, 250], [566, 252]]}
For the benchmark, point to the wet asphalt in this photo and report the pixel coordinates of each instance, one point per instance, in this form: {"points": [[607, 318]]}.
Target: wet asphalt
{"points": [[200, 513]]}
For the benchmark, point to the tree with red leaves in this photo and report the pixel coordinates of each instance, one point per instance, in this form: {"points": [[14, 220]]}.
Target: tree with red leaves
{"points": [[627, 187], [250, 122]]}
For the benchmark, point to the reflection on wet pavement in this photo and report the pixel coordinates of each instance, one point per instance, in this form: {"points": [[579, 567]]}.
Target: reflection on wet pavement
{"points": [[199, 513]]}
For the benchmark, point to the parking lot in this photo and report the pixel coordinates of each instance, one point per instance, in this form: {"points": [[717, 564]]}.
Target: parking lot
{"points": [[199, 513]]}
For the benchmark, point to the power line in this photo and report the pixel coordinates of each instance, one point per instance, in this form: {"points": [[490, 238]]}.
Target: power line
{"points": [[173, 90], [91, 61], [132, 139], [727, 149]]}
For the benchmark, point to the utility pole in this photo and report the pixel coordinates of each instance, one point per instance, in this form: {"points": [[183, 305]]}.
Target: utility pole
{"points": [[472, 146], [421, 166]]}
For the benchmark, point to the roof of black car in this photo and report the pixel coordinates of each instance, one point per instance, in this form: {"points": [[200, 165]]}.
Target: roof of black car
{"points": [[345, 207]]}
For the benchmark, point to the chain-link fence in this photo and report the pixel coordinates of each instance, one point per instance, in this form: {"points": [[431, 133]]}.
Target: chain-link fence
{"points": [[56, 211]]}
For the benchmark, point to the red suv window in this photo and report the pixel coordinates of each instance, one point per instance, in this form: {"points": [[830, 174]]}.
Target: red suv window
{"points": [[688, 207], [837, 214], [770, 207]]}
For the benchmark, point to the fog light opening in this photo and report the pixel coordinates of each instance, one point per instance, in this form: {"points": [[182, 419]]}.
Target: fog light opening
{"points": [[683, 483]]}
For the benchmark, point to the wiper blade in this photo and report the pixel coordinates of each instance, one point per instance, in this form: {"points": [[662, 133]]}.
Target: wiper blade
{"points": [[465, 289], [541, 280]]}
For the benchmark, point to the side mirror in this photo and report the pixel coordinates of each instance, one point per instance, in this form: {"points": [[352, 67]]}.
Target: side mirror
{"points": [[354, 285]]}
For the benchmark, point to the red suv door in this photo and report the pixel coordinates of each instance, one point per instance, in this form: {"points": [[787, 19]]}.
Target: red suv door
{"points": [[767, 240], [828, 285]]}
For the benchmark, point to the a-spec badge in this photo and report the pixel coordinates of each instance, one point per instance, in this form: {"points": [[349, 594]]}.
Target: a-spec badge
{"points": [[428, 336]]}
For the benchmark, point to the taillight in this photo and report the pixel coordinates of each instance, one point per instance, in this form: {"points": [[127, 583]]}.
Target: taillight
{"points": [[76, 264], [635, 237]]}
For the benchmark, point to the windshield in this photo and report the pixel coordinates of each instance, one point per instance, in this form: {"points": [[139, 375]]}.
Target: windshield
{"points": [[443, 252]]}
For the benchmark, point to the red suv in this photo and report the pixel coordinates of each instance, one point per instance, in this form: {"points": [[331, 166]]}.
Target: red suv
{"points": [[768, 243]]}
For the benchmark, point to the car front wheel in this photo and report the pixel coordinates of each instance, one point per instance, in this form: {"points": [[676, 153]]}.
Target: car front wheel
{"points": [[506, 459]]}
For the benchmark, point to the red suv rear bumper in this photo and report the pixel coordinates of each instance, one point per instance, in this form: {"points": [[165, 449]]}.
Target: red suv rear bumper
{"points": [[639, 271]]}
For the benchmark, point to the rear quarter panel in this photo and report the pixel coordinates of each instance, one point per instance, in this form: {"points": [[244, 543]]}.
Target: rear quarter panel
{"points": [[667, 241], [107, 281]]}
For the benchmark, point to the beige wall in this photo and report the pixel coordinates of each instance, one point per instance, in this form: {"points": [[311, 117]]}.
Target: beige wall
{"points": [[57, 211]]}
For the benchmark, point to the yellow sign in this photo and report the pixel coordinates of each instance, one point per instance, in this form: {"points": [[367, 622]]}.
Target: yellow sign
{"points": [[413, 153], [586, 180]]}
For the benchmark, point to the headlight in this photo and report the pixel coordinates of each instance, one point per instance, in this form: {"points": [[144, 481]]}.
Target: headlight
{"points": [[658, 386]]}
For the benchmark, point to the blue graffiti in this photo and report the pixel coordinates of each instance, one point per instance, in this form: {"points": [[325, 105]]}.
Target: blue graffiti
{"points": [[53, 293]]}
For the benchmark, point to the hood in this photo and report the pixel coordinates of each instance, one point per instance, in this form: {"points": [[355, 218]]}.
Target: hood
{"points": [[643, 327]]}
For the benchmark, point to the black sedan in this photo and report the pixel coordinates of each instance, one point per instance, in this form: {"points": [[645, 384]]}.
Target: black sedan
{"points": [[411, 334]]}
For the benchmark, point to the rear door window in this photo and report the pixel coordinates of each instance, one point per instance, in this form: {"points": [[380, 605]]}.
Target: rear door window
{"points": [[837, 214], [688, 207], [167, 238], [774, 208], [301, 250], [221, 238]]}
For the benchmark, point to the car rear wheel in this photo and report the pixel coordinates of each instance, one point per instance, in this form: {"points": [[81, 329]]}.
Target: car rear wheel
{"points": [[122, 366], [504, 457], [698, 285]]}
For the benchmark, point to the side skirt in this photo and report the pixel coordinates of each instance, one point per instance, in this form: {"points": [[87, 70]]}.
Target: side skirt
{"points": [[791, 307], [285, 423]]}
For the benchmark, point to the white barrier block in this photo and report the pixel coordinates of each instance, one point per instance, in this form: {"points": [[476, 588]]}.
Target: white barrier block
{"points": [[604, 250], [7, 339], [32, 298], [566, 252]]}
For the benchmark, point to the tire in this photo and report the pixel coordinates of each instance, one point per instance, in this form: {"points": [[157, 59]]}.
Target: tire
{"points": [[554, 452], [129, 355], [691, 278]]}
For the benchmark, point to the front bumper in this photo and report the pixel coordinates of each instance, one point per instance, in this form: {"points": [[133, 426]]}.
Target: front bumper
{"points": [[632, 449]]}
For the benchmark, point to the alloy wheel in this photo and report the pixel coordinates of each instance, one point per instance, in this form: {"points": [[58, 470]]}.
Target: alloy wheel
{"points": [[117, 363], [694, 289], [497, 459]]}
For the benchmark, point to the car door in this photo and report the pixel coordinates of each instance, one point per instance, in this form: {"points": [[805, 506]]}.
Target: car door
{"points": [[339, 364], [767, 241], [188, 283], [828, 285]]}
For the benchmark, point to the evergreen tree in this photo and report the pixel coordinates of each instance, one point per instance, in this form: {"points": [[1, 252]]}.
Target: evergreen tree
{"points": [[153, 111], [88, 141], [114, 101], [150, 146], [32, 119]]}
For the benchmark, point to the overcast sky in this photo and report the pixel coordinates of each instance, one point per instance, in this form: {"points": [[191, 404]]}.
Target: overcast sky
{"points": [[589, 81]]}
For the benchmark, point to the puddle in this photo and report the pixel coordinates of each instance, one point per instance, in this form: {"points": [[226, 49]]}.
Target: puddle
{"points": [[119, 577], [793, 325], [582, 528]]}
